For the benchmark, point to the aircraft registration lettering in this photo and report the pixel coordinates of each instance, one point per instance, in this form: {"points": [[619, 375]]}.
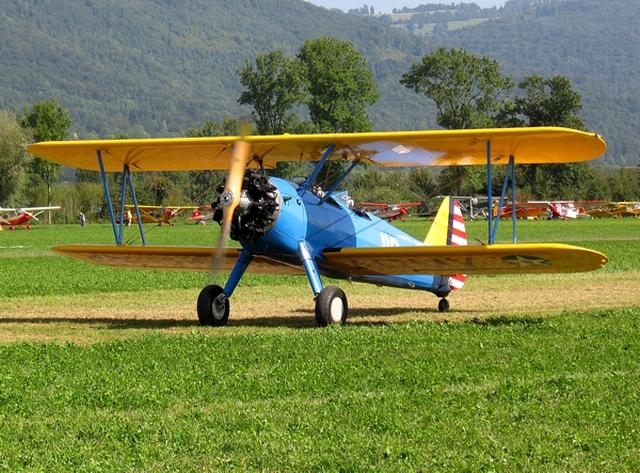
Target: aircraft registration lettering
{"points": [[388, 241]]}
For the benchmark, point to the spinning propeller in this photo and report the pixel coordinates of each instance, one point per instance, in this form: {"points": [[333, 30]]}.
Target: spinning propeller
{"points": [[230, 197]]}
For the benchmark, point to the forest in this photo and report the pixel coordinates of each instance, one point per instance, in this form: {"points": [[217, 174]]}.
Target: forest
{"points": [[157, 68], [326, 87]]}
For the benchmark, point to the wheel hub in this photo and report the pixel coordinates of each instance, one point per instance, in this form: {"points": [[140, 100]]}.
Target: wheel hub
{"points": [[337, 310], [218, 306]]}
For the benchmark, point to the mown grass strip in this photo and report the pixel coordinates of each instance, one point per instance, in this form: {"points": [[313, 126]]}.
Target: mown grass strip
{"points": [[560, 393]]}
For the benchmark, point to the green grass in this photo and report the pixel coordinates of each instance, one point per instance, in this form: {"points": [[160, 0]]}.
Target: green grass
{"points": [[28, 268], [529, 392], [552, 394]]}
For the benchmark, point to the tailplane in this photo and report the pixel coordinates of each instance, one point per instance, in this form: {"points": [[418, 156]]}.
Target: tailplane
{"points": [[448, 230]]}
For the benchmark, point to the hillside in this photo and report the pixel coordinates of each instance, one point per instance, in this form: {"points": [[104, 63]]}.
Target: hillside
{"points": [[595, 43], [157, 67]]}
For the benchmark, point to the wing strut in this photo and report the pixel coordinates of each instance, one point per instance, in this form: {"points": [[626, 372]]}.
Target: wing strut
{"points": [[304, 187], [509, 175], [136, 208], [107, 195], [118, 230], [492, 230]]}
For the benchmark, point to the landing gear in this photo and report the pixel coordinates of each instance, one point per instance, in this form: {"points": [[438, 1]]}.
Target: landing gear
{"points": [[213, 306], [331, 306], [443, 305]]}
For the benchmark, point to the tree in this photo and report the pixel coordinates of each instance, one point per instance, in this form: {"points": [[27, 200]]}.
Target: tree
{"points": [[339, 84], [552, 102], [422, 182], [466, 89], [13, 159], [549, 102], [46, 121], [228, 127], [274, 87]]}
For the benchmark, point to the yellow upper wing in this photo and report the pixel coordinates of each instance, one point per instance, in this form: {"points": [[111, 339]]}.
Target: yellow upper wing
{"points": [[389, 149]]}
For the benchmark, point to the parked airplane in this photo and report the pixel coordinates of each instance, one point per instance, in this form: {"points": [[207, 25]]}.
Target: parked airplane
{"points": [[20, 217], [160, 214], [284, 227], [389, 212]]}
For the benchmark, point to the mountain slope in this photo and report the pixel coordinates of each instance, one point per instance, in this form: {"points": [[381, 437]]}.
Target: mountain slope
{"points": [[595, 43], [161, 66]]}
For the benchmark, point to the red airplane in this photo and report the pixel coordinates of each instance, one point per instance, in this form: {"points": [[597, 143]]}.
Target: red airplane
{"points": [[199, 218], [390, 212], [19, 217]]}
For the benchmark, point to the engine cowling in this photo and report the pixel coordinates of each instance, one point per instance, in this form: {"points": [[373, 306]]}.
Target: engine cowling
{"points": [[258, 209]]}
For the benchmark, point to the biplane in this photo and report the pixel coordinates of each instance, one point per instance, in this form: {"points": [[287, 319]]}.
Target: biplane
{"points": [[286, 228], [615, 210], [160, 214], [20, 217], [389, 212], [523, 210], [564, 209]]}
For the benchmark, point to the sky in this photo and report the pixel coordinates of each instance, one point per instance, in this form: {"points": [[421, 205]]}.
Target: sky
{"points": [[388, 5]]}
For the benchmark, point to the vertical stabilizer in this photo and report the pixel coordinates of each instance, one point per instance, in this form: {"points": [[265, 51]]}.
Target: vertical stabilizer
{"points": [[439, 230], [448, 229]]}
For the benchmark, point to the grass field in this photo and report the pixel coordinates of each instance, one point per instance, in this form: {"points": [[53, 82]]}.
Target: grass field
{"points": [[537, 373]]}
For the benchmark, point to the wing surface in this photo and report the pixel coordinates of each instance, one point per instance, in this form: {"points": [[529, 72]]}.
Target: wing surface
{"points": [[170, 258], [446, 260], [161, 207], [387, 149]]}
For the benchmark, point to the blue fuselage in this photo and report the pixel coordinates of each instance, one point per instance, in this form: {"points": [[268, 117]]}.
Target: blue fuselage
{"points": [[329, 224]]}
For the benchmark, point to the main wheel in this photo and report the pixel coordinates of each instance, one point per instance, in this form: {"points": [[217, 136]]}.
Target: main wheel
{"points": [[443, 305], [331, 306], [213, 306]]}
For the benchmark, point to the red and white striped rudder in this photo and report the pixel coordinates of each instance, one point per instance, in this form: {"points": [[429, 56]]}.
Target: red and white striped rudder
{"points": [[456, 236]]}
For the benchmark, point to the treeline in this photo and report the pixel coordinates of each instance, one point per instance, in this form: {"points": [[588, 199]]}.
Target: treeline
{"points": [[593, 43], [327, 87], [439, 14]]}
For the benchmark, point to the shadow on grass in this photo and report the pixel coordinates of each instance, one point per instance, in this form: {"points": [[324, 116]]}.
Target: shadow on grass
{"points": [[505, 320], [108, 322], [122, 323], [360, 316]]}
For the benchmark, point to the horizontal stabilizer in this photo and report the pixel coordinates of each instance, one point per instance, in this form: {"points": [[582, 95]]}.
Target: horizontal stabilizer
{"points": [[175, 258], [449, 260]]}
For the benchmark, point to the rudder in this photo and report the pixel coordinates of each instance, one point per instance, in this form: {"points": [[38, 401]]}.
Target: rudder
{"points": [[448, 229]]}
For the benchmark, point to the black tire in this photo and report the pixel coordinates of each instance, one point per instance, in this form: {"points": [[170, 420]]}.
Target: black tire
{"points": [[331, 307], [213, 306], [443, 305]]}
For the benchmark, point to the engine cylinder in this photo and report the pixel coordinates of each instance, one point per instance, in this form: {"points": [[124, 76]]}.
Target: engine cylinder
{"points": [[258, 209]]}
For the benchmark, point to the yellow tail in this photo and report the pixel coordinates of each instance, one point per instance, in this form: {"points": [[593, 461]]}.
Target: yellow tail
{"points": [[437, 235], [448, 229]]}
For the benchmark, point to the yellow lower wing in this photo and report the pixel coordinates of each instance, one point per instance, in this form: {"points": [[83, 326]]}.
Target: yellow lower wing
{"points": [[493, 259], [171, 258]]}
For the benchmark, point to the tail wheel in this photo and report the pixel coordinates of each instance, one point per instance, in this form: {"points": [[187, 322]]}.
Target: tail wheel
{"points": [[443, 305], [331, 306], [213, 306]]}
